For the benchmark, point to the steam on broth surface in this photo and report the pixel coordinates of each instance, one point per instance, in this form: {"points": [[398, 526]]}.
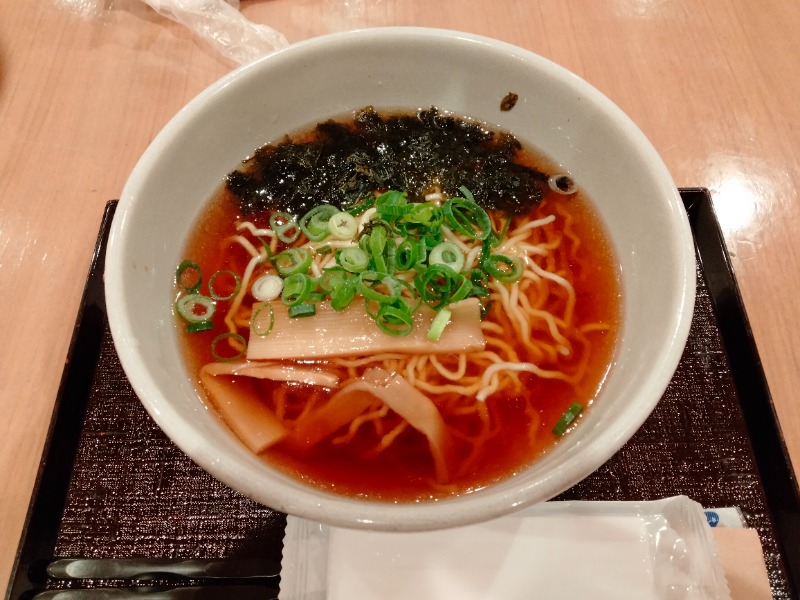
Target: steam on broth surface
{"points": [[399, 307]]}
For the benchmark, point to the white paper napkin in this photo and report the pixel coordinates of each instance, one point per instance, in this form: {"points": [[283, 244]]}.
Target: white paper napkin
{"points": [[615, 550]]}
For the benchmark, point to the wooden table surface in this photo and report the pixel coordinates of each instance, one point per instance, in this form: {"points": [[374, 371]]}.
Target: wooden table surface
{"points": [[86, 84]]}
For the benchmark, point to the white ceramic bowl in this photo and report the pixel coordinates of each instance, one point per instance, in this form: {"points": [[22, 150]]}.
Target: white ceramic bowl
{"points": [[557, 113]]}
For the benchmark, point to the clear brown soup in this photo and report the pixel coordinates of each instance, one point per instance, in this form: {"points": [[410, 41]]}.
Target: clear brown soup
{"points": [[514, 425]]}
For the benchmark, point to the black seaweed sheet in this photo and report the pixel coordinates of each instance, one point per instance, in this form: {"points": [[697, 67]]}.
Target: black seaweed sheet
{"points": [[112, 485]]}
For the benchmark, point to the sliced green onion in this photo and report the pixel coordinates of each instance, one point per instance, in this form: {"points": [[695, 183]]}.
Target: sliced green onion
{"points": [[267, 288], [233, 339], [440, 321], [392, 212], [462, 290], [331, 279], [391, 256], [567, 418], [479, 279], [285, 226], [478, 291], [343, 295], [430, 289], [267, 249], [354, 260], [466, 193], [293, 260], [342, 226], [422, 250], [405, 256], [426, 214], [195, 307], [194, 283], [408, 294], [370, 284], [440, 285], [496, 237], [257, 320], [391, 198], [395, 319], [237, 284], [506, 269], [306, 309], [371, 307], [362, 207], [318, 224], [315, 222], [447, 253], [486, 307], [199, 326], [377, 242], [467, 218], [391, 204], [296, 289]]}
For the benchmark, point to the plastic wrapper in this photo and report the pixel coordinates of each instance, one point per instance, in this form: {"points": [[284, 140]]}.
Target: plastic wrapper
{"points": [[223, 26], [218, 22], [660, 550]]}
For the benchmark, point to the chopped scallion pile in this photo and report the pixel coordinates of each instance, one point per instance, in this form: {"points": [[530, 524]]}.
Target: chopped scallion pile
{"points": [[388, 252]]}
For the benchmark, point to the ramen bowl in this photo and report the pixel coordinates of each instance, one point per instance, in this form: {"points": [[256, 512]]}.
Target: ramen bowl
{"points": [[557, 113]]}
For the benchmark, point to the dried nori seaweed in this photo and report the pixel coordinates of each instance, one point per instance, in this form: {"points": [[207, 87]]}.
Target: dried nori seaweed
{"points": [[345, 161]]}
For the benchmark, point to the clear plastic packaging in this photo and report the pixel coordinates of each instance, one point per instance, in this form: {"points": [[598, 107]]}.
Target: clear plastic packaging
{"points": [[222, 25], [660, 550], [219, 22]]}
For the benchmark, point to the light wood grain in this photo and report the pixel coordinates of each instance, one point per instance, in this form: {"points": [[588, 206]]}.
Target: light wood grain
{"points": [[739, 552], [713, 84]]}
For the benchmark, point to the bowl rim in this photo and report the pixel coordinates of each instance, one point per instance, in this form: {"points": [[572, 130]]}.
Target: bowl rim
{"points": [[310, 503]]}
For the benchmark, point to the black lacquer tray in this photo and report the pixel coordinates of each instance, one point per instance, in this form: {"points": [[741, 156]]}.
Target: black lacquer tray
{"points": [[111, 485]]}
